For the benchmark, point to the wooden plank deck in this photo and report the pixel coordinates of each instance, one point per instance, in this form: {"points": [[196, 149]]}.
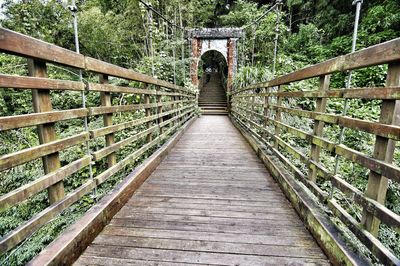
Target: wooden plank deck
{"points": [[211, 201]]}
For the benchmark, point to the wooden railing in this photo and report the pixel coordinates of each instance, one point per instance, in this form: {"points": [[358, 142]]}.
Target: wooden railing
{"points": [[160, 109], [265, 110]]}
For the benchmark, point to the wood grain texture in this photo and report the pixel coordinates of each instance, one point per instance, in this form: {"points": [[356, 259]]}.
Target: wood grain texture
{"points": [[34, 119], [19, 82], [42, 102], [19, 44], [23, 156], [68, 247], [375, 55], [383, 150], [211, 201]]}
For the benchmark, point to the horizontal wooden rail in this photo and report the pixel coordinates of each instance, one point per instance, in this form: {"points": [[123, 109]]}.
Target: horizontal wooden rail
{"points": [[158, 110], [25, 46], [26, 191], [35, 119], [128, 108], [14, 159], [15, 43], [377, 93], [375, 55], [129, 90], [259, 112], [34, 83]]}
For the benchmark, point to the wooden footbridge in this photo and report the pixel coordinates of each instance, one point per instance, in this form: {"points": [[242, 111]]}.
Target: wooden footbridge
{"points": [[212, 189]]}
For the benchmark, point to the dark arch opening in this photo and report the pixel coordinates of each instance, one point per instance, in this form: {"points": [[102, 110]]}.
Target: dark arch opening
{"points": [[212, 72], [212, 61]]}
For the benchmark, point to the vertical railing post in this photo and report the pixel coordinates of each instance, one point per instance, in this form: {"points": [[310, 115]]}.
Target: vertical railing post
{"points": [[148, 113], [105, 98], [174, 107], [160, 110], [266, 103], [383, 150], [266, 107], [278, 117], [253, 99], [318, 126], [182, 105], [47, 133]]}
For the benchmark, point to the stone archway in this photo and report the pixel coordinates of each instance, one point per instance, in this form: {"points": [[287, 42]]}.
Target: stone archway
{"points": [[222, 40]]}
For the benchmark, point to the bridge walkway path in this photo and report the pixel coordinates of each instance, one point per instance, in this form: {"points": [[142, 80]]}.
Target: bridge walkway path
{"points": [[211, 201]]}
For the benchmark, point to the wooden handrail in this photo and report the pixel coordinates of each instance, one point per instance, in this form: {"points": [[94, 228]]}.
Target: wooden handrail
{"points": [[22, 45], [166, 109], [375, 55], [259, 111]]}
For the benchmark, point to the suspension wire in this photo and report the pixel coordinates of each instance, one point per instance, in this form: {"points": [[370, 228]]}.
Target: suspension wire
{"points": [[275, 7], [150, 9], [358, 4], [158, 13], [73, 8], [260, 17]]}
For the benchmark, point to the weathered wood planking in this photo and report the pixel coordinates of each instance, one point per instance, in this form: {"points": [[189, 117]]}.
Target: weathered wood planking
{"points": [[42, 183], [124, 125], [383, 150], [129, 108], [40, 53], [34, 119], [24, 230], [42, 102], [318, 125], [67, 248], [375, 55], [130, 90], [22, 45], [37, 83], [377, 93], [19, 44], [20, 157], [101, 67], [105, 99], [210, 201]]}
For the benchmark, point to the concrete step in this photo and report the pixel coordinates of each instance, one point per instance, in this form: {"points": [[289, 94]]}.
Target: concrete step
{"points": [[213, 104], [213, 107], [214, 112]]}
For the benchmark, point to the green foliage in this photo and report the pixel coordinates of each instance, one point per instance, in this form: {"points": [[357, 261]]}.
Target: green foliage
{"points": [[118, 32], [309, 38], [241, 14], [37, 19], [250, 75]]}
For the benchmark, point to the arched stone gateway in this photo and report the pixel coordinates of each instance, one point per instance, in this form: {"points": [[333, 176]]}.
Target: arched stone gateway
{"points": [[222, 40]]}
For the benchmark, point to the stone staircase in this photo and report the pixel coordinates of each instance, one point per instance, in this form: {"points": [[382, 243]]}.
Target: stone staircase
{"points": [[212, 98]]}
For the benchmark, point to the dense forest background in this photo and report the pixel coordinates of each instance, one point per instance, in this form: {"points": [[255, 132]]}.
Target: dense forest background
{"points": [[119, 31]]}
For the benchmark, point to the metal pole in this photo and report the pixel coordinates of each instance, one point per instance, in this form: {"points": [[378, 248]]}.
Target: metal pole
{"points": [[73, 8], [349, 77], [278, 6], [173, 47], [150, 17], [254, 44], [183, 45]]}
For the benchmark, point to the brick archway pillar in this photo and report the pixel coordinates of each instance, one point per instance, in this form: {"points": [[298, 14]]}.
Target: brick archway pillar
{"points": [[194, 64], [232, 65], [215, 38]]}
